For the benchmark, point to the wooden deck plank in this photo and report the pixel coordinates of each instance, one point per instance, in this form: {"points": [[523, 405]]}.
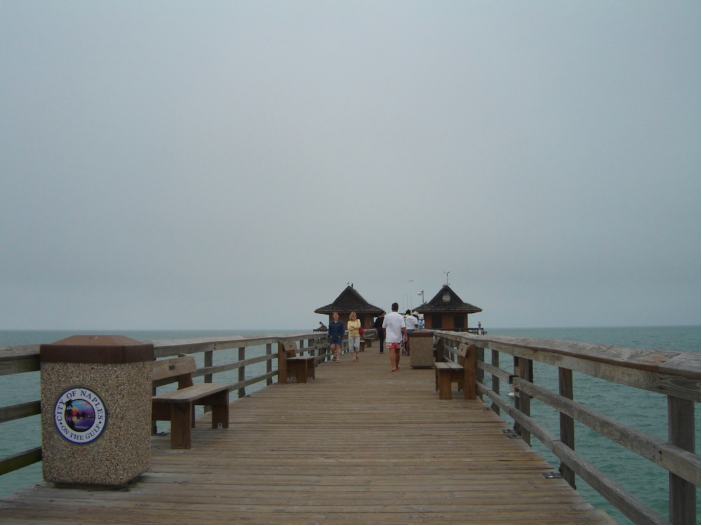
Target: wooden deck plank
{"points": [[357, 445]]}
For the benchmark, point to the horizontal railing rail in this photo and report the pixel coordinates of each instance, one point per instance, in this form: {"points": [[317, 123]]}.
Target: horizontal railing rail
{"points": [[25, 359], [675, 375]]}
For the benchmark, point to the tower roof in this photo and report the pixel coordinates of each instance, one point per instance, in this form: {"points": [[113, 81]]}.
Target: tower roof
{"points": [[446, 300], [349, 300]]}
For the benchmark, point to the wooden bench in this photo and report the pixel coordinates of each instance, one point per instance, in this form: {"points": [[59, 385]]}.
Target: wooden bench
{"points": [[368, 337], [178, 407], [292, 366], [462, 373]]}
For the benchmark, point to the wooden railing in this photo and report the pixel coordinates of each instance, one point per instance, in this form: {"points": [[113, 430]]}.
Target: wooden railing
{"points": [[675, 375], [23, 359]]}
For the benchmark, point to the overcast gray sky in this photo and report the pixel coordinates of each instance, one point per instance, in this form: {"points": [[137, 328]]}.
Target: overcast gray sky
{"points": [[233, 165]]}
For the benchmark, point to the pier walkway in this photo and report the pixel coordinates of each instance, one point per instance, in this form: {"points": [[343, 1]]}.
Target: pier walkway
{"points": [[357, 445]]}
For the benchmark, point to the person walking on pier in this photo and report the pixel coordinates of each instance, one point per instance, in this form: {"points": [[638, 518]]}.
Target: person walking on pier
{"points": [[336, 335], [411, 324], [395, 334], [354, 326], [379, 329]]}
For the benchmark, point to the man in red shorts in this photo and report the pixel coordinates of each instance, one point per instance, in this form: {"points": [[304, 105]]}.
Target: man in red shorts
{"points": [[395, 333]]}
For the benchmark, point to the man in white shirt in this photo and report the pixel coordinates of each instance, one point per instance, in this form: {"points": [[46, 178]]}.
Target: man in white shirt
{"points": [[395, 333]]}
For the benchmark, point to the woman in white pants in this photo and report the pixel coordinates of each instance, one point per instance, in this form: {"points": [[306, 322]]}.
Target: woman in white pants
{"points": [[354, 336]]}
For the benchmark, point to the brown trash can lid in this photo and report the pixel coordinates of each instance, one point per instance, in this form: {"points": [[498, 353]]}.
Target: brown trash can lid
{"points": [[102, 348]]}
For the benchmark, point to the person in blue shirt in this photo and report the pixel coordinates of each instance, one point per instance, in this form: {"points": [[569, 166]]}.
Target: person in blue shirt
{"points": [[336, 335]]}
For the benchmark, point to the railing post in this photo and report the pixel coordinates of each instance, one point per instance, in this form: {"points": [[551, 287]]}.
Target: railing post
{"points": [[208, 363], [470, 387], [269, 364], [517, 427], [242, 371], [440, 356], [479, 356], [681, 432], [208, 377], [311, 342], [495, 379], [282, 365], [565, 388], [523, 369]]}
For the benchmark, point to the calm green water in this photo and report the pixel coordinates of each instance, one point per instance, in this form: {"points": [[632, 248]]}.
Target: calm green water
{"points": [[643, 410]]}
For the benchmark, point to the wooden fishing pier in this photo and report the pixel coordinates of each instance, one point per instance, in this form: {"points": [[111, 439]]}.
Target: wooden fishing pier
{"points": [[359, 444]]}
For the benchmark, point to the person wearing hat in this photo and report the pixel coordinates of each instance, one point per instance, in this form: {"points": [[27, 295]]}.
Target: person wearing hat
{"points": [[411, 323]]}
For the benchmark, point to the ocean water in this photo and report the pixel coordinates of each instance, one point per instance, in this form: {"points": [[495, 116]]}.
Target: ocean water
{"points": [[640, 409]]}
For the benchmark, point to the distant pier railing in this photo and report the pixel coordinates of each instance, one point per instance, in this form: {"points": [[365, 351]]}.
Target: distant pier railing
{"points": [[675, 375], [25, 359]]}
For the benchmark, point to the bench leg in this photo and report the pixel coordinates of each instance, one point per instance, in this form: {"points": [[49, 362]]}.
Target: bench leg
{"points": [[457, 376], [298, 370], [220, 410], [301, 373], [444, 380], [181, 415]]}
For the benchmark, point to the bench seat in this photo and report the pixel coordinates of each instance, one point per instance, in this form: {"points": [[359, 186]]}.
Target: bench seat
{"points": [[292, 366], [446, 374], [450, 372], [178, 406]]}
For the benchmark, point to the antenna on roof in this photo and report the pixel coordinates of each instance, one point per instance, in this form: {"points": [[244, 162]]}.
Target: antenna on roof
{"points": [[447, 273]]}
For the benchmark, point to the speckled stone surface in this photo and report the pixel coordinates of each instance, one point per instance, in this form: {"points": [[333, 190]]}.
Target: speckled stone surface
{"points": [[123, 451]]}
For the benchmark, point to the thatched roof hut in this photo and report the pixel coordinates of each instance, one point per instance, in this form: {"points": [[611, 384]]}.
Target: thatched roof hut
{"points": [[351, 301]]}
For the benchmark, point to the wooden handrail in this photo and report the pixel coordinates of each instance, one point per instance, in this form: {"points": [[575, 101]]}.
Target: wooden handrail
{"points": [[665, 372], [675, 375], [25, 358]]}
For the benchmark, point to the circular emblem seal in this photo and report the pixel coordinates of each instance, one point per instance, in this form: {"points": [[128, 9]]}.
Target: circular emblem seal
{"points": [[80, 415]]}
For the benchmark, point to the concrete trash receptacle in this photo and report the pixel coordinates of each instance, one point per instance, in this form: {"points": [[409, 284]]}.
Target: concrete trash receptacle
{"points": [[422, 350], [96, 409]]}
